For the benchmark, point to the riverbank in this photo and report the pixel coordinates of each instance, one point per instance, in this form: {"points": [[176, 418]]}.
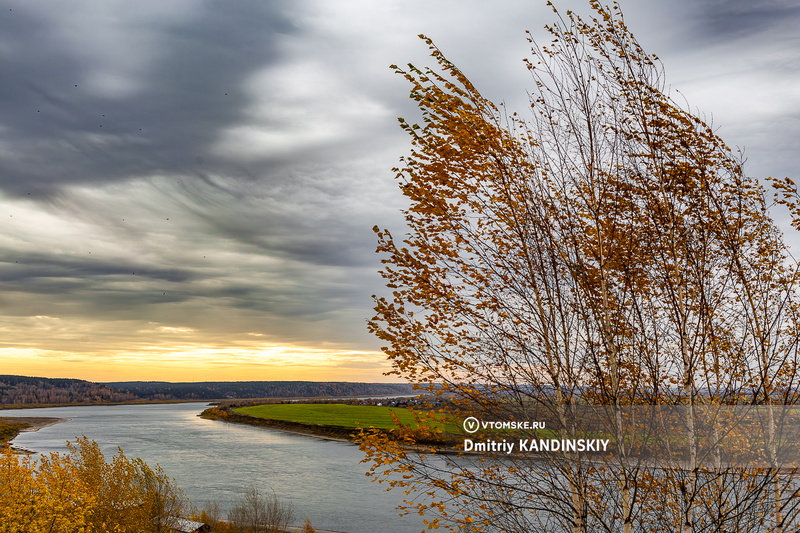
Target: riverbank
{"points": [[441, 443], [11, 426], [336, 433]]}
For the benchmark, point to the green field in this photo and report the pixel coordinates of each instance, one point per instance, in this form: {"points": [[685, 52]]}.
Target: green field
{"points": [[329, 414]]}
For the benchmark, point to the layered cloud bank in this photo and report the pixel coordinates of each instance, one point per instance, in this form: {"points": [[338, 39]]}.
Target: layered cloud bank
{"points": [[190, 187]]}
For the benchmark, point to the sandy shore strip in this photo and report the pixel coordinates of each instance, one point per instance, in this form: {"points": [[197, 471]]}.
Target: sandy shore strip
{"points": [[35, 423]]}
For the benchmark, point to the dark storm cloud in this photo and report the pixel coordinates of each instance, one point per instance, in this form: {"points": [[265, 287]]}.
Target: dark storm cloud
{"points": [[298, 220], [27, 268], [63, 127], [726, 19]]}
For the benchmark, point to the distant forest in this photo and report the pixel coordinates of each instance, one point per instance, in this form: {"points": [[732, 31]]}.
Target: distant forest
{"points": [[215, 390], [22, 390]]}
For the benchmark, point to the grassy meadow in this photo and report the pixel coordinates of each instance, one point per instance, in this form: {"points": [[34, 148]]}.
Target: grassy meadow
{"points": [[329, 414]]}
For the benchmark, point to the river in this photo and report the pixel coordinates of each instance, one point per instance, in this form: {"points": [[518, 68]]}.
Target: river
{"points": [[215, 461]]}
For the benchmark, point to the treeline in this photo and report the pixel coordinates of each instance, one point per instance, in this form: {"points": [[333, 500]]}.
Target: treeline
{"points": [[21, 390], [28, 391], [215, 390]]}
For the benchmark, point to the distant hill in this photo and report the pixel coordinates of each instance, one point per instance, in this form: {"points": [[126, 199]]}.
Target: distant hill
{"points": [[214, 390], [24, 390]]}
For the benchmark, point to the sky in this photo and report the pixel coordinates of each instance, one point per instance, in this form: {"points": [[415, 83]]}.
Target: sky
{"points": [[188, 188]]}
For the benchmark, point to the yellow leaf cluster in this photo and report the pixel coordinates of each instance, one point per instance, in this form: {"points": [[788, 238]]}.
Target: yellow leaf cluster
{"points": [[83, 492]]}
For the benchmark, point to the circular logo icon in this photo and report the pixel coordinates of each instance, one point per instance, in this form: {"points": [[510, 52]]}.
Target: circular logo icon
{"points": [[471, 424]]}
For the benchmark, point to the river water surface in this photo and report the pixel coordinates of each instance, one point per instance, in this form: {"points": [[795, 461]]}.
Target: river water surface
{"points": [[215, 461]]}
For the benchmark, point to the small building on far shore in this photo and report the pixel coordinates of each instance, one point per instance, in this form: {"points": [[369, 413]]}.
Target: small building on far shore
{"points": [[184, 525]]}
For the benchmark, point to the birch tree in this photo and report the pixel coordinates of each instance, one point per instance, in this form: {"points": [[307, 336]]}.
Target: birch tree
{"points": [[602, 252]]}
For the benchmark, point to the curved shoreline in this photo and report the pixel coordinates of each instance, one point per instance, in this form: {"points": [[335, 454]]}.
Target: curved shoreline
{"points": [[39, 422], [28, 424], [333, 433]]}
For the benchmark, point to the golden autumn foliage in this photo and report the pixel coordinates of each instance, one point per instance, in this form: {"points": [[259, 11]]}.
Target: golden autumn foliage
{"points": [[84, 492], [588, 264]]}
